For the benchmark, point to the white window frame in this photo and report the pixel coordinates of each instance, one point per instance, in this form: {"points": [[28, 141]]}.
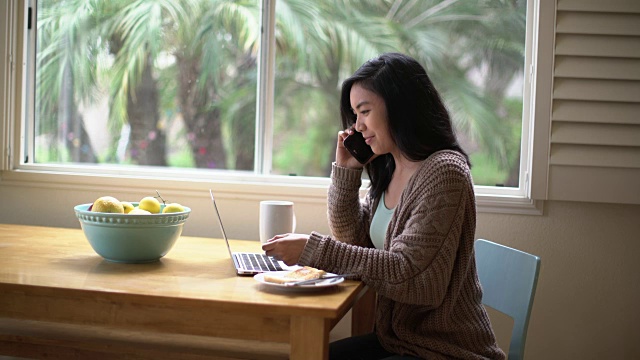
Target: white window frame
{"points": [[14, 68]]}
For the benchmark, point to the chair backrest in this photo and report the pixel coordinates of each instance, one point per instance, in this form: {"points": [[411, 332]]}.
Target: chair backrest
{"points": [[508, 278]]}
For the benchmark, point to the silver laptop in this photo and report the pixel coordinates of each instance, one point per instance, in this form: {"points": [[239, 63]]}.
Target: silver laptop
{"points": [[248, 263]]}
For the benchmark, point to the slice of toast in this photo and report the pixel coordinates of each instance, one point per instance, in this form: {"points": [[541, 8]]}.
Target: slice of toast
{"points": [[301, 274]]}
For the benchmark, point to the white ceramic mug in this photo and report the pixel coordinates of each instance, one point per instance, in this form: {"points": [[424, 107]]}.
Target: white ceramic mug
{"points": [[276, 217]]}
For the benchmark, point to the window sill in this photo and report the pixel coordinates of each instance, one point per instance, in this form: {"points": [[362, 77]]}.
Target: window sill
{"points": [[246, 186]]}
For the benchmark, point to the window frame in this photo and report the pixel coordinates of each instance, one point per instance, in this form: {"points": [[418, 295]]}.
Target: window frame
{"points": [[526, 199]]}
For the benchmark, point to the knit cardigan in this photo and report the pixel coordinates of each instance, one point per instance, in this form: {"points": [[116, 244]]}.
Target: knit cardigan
{"points": [[428, 293]]}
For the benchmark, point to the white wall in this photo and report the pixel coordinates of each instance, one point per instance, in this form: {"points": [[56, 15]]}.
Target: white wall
{"points": [[586, 306]]}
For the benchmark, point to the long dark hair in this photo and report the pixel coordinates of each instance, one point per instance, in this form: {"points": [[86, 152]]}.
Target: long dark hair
{"points": [[418, 119]]}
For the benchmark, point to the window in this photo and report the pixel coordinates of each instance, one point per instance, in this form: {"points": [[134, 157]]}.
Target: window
{"points": [[124, 86], [474, 52]]}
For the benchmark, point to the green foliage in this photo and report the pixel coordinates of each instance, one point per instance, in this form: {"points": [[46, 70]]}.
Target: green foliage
{"points": [[486, 170], [181, 159], [204, 55], [300, 140]]}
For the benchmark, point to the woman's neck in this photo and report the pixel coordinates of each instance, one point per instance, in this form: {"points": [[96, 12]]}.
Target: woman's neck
{"points": [[403, 172]]}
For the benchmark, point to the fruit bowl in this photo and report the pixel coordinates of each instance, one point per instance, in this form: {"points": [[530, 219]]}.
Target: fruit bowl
{"points": [[128, 238]]}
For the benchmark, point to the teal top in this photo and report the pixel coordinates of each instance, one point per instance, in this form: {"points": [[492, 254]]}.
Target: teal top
{"points": [[380, 223]]}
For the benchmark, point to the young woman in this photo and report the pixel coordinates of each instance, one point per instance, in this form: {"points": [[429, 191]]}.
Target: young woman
{"points": [[411, 238]]}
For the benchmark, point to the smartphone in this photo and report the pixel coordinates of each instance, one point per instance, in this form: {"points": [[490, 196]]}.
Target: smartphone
{"points": [[358, 147]]}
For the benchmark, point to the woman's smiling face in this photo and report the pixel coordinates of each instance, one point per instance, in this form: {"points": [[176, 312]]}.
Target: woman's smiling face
{"points": [[371, 119]]}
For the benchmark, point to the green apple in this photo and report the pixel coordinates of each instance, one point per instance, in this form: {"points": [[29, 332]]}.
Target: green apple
{"points": [[127, 206], [108, 204], [172, 208], [150, 204]]}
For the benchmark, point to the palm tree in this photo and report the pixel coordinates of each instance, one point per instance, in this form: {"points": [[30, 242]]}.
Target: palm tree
{"points": [[137, 34], [319, 43], [73, 35], [210, 79], [65, 78], [322, 42], [216, 61], [456, 39], [208, 41]]}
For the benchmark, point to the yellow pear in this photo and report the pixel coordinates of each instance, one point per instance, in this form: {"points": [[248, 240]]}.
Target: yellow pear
{"points": [[172, 208], [107, 204], [127, 206], [150, 204]]}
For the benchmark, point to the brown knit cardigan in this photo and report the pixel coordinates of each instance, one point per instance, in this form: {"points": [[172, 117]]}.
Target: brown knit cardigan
{"points": [[428, 293]]}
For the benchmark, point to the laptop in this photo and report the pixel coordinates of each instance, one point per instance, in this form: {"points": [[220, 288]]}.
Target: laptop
{"points": [[248, 263]]}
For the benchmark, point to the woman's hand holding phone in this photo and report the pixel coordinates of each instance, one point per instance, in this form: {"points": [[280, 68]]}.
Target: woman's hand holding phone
{"points": [[353, 153]]}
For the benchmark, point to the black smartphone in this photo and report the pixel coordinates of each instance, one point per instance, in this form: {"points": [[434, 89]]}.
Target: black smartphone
{"points": [[358, 147]]}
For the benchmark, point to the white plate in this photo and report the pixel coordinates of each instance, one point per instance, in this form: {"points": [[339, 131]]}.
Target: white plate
{"points": [[314, 286]]}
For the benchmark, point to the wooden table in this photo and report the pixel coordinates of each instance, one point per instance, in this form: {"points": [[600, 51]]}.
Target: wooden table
{"points": [[59, 299]]}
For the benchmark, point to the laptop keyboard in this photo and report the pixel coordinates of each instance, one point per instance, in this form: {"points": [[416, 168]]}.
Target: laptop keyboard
{"points": [[259, 262]]}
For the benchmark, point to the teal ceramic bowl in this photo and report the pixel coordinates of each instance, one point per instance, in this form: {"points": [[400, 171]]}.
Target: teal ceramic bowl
{"points": [[131, 238]]}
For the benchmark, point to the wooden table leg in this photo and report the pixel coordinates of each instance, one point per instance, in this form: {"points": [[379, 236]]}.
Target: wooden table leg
{"points": [[309, 338], [363, 314]]}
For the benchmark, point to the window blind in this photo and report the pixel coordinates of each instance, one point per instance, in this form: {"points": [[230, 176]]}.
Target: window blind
{"points": [[594, 152]]}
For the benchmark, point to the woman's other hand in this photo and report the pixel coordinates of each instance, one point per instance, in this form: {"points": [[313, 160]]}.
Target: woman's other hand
{"points": [[286, 247]]}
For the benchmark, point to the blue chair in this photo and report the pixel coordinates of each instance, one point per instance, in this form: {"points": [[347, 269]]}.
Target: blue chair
{"points": [[508, 278]]}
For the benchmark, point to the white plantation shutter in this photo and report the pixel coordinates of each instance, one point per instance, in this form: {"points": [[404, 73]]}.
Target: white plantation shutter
{"points": [[595, 123]]}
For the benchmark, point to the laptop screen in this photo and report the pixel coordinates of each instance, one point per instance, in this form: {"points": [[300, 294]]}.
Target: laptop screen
{"points": [[224, 234]]}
